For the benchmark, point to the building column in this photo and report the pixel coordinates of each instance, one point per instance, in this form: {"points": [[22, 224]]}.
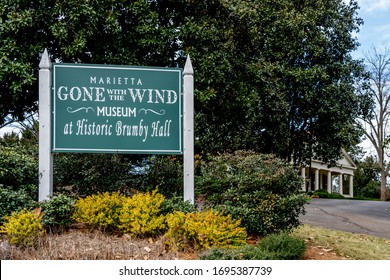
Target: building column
{"points": [[316, 179], [351, 185], [329, 183], [303, 174], [341, 183]]}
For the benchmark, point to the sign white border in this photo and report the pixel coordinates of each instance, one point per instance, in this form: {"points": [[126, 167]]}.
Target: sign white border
{"points": [[127, 68]]}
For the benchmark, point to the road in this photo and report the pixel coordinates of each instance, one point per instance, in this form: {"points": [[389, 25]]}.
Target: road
{"points": [[357, 216]]}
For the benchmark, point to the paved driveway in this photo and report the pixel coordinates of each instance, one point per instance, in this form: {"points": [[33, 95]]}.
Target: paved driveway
{"points": [[358, 216]]}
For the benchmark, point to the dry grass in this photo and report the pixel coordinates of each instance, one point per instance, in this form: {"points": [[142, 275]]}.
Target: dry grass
{"points": [[344, 244], [79, 245]]}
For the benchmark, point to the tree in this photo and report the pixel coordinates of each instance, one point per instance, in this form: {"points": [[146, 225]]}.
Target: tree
{"points": [[22, 34], [376, 125], [82, 31], [366, 180], [273, 76], [276, 76]]}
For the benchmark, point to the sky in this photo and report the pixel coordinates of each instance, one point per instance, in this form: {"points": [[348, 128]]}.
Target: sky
{"points": [[374, 32], [376, 28]]}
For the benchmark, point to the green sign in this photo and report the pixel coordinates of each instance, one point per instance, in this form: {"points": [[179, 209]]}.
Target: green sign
{"points": [[116, 109]]}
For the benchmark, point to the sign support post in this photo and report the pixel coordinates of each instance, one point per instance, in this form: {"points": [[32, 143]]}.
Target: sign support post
{"points": [[188, 135], [45, 155], [111, 105]]}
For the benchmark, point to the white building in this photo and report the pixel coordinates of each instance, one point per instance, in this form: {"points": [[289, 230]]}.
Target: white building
{"points": [[333, 179]]}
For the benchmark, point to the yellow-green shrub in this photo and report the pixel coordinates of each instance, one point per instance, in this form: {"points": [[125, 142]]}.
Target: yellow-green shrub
{"points": [[140, 214], [203, 230], [99, 211], [23, 228]]}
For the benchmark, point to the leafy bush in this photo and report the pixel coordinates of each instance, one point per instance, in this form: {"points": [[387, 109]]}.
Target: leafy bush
{"points": [[202, 230], [140, 214], [166, 172], [17, 168], [273, 247], [99, 211], [261, 190], [371, 190], [283, 246], [322, 193], [57, 212], [14, 201], [23, 228], [92, 173], [176, 203]]}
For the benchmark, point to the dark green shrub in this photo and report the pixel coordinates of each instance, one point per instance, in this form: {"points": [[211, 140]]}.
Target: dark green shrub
{"points": [[92, 173], [14, 201], [261, 190], [166, 172], [17, 168], [371, 190], [57, 212], [324, 194], [176, 203], [283, 246]]}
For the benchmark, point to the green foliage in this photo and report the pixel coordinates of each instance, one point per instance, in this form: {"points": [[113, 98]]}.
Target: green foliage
{"points": [[57, 212], [19, 57], [133, 33], [23, 228], [366, 182], [14, 201], [176, 203], [99, 211], [322, 193], [17, 168], [247, 252], [272, 247], [140, 214], [202, 230], [285, 67], [283, 246], [92, 173], [261, 190], [280, 84], [371, 190], [166, 172]]}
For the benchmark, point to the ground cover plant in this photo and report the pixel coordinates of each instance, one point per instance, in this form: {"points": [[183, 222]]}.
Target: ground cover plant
{"points": [[23, 228], [202, 230], [140, 214], [273, 247]]}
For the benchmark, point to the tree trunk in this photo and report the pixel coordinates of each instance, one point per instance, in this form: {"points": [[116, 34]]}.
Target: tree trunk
{"points": [[383, 185]]}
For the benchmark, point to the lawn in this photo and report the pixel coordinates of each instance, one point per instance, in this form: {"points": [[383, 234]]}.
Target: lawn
{"points": [[344, 244]]}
